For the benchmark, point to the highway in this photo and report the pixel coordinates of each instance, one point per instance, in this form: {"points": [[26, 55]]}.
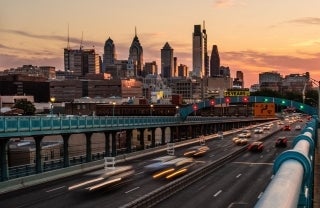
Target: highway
{"points": [[240, 182]]}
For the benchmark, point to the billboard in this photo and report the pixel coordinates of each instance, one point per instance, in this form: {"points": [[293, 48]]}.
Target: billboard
{"points": [[236, 92]]}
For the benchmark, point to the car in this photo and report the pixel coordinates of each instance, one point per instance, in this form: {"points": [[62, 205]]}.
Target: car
{"points": [[281, 142], [245, 134], [286, 128], [256, 147], [298, 127], [258, 131], [196, 151], [240, 141]]}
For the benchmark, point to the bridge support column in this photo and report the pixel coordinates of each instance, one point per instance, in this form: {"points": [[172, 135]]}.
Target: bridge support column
{"points": [[66, 159], [4, 159], [39, 165], [114, 144], [171, 134], [88, 147], [153, 137], [107, 144], [128, 141], [141, 138], [163, 135]]}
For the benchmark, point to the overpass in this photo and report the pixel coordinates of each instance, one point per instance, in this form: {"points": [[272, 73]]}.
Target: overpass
{"points": [[40, 126]]}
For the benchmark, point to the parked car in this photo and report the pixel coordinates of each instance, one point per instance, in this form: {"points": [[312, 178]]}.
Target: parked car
{"points": [[256, 147], [281, 142]]}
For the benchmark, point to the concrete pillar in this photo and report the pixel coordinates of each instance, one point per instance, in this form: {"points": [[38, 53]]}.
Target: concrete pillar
{"points": [[107, 144], [114, 144], [88, 147], [163, 135], [171, 134], [128, 141], [39, 164], [66, 159], [141, 138], [4, 159], [153, 137]]}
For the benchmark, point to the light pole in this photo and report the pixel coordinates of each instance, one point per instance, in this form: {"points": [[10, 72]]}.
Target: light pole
{"points": [[52, 100], [114, 105], [177, 110], [151, 108]]}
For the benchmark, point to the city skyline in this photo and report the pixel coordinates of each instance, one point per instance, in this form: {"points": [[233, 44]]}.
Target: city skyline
{"points": [[252, 37]]}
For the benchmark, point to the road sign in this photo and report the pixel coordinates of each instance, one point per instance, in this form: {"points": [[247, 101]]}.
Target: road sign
{"points": [[264, 109]]}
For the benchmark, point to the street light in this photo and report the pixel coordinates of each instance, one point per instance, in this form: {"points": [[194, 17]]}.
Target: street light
{"points": [[52, 100], [151, 107], [114, 105]]}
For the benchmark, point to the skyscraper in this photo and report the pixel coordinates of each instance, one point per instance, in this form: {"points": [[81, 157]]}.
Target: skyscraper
{"points": [[200, 58], [136, 56], [167, 63], [81, 62], [205, 51], [109, 55], [215, 62], [197, 52]]}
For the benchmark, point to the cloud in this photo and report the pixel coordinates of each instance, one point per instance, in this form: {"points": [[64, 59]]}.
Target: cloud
{"points": [[72, 40], [228, 3], [306, 20]]}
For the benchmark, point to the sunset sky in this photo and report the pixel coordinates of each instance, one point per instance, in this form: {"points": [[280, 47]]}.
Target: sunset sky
{"points": [[252, 35]]}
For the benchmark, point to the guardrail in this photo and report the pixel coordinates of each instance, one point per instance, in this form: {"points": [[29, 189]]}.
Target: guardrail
{"points": [[291, 185]]}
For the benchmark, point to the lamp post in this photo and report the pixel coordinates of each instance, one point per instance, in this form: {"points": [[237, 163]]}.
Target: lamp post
{"points": [[177, 110], [151, 108], [114, 105], [52, 100]]}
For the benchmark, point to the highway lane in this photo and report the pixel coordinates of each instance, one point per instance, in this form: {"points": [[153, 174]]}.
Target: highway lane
{"points": [[237, 184], [55, 194]]}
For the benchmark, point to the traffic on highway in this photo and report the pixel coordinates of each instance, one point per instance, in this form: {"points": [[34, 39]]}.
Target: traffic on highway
{"points": [[240, 181]]}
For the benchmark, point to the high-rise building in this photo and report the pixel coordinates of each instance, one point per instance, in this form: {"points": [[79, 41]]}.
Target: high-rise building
{"points": [[81, 62], [167, 62], [239, 78], [135, 59], [205, 51], [197, 52], [109, 55], [150, 68], [215, 62]]}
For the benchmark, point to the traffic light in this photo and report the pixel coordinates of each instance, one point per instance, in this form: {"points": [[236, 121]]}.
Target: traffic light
{"points": [[266, 100], [212, 102], [245, 99], [301, 106], [227, 100], [283, 102]]}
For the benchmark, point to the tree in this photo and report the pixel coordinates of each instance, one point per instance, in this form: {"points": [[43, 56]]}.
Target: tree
{"points": [[26, 106]]}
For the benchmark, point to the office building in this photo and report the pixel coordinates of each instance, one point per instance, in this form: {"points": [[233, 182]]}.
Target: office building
{"points": [[135, 60], [81, 62], [215, 62], [167, 61], [109, 55], [197, 52]]}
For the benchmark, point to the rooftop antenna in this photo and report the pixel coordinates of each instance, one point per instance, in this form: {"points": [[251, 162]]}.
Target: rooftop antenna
{"points": [[81, 41], [135, 30], [68, 44]]}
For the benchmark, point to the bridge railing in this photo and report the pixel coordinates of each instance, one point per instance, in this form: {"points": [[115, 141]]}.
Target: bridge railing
{"points": [[291, 185], [43, 123]]}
